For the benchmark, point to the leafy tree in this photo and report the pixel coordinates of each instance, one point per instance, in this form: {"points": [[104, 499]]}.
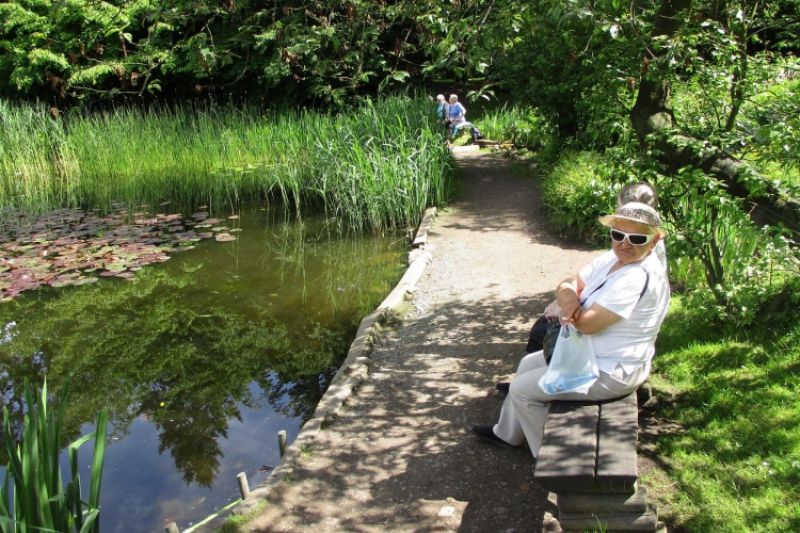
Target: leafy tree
{"points": [[326, 50]]}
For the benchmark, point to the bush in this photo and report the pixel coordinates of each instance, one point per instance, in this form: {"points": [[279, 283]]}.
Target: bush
{"points": [[577, 190], [524, 126]]}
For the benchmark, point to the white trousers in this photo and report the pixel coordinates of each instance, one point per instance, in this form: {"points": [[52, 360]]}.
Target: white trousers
{"points": [[525, 408]]}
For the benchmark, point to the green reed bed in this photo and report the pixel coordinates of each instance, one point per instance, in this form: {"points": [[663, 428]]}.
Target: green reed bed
{"points": [[378, 164]]}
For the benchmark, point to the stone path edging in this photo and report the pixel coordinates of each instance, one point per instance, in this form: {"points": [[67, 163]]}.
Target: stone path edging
{"points": [[354, 369]]}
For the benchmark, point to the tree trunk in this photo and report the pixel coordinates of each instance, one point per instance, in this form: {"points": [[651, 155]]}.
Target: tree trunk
{"points": [[770, 205]]}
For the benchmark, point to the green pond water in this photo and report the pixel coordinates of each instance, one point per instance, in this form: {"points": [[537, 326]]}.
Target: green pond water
{"points": [[201, 359]]}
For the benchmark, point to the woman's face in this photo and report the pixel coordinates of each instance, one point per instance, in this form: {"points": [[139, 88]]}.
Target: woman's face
{"points": [[625, 251]]}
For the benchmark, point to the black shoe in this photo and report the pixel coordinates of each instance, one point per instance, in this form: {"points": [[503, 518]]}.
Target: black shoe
{"points": [[487, 433], [503, 387]]}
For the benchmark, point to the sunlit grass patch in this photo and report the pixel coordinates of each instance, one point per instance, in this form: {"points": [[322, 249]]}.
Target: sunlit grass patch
{"points": [[737, 459]]}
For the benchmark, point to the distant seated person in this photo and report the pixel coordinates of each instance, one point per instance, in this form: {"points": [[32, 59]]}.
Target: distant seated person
{"points": [[442, 110], [457, 117]]}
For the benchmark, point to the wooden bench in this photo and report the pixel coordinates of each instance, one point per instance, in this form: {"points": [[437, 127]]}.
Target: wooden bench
{"points": [[588, 460]]}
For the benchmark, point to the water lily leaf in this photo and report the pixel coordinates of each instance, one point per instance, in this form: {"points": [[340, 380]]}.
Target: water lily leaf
{"points": [[116, 267], [233, 217], [65, 283], [225, 237], [220, 228]]}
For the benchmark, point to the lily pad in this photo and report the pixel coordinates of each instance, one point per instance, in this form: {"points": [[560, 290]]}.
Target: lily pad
{"points": [[58, 248]]}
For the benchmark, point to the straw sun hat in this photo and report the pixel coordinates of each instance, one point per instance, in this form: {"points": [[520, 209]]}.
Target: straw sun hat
{"points": [[635, 212]]}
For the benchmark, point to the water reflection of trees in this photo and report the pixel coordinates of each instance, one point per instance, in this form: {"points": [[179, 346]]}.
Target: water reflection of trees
{"points": [[163, 349], [184, 372]]}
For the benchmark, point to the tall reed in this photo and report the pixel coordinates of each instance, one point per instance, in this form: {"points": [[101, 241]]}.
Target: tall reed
{"points": [[41, 502], [378, 165]]}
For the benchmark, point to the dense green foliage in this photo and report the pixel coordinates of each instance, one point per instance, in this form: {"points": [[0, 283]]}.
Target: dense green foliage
{"points": [[380, 165], [730, 73], [39, 500], [326, 50]]}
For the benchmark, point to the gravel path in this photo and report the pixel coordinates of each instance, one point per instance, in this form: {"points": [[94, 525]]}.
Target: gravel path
{"points": [[399, 457]]}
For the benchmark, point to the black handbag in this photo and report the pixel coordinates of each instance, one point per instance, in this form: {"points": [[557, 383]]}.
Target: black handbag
{"points": [[543, 336]]}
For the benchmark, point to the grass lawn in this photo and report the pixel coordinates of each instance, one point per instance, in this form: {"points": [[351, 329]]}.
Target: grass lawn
{"points": [[736, 461]]}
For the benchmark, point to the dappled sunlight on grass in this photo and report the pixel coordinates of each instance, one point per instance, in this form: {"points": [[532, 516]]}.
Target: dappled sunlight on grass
{"points": [[737, 460]]}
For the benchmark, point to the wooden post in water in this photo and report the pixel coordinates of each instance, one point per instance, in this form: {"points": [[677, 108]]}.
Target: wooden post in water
{"points": [[282, 441], [172, 527], [244, 487]]}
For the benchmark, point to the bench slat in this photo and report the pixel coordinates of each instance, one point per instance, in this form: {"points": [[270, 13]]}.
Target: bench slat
{"points": [[567, 456], [616, 453]]}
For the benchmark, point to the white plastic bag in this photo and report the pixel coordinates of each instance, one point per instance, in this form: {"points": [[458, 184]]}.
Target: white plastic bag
{"points": [[573, 368]]}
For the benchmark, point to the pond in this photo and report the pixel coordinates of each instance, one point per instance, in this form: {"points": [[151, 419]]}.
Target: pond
{"points": [[201, 359]]}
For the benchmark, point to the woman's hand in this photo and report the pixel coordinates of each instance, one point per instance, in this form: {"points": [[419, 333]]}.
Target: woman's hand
{"points": [[567, 317], [552, 311]]}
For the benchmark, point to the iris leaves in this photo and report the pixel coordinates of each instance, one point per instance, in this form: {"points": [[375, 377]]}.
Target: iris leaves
{"points": [[33, 497]]}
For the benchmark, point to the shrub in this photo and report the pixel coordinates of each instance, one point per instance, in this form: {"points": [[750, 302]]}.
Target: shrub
{"points": [[577, 190]]}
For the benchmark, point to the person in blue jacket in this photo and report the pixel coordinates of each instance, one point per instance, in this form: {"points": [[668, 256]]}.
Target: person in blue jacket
{"points": [[457, 116]]}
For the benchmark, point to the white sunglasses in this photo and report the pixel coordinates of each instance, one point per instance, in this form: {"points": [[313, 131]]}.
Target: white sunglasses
{"points": [[636, 239]]}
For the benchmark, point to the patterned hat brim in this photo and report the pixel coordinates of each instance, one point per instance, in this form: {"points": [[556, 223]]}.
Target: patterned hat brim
{"points": [[653, 222]]}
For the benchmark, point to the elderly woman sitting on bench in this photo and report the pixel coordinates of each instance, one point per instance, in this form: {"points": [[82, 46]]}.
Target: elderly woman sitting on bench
{"points": [[620, 299], [457, 118]]}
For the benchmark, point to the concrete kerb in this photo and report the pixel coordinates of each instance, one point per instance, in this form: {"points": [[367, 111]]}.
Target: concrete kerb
{"points": [[354, 369]]}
